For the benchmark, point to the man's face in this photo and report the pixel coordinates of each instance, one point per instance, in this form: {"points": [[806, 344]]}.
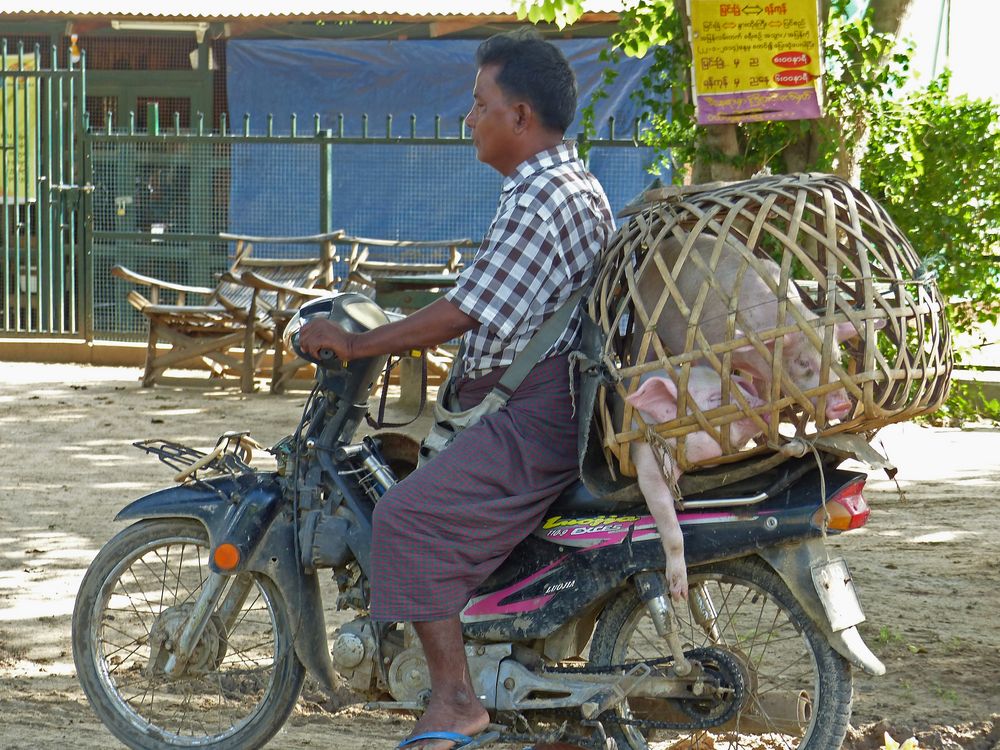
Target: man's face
{"points": [[494, 122]]}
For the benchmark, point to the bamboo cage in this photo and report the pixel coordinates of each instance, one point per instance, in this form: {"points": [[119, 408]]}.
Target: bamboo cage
{"points": [[757, 279]]}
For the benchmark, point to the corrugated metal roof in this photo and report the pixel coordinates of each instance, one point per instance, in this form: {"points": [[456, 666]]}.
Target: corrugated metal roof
{"points": [[219, 9]]}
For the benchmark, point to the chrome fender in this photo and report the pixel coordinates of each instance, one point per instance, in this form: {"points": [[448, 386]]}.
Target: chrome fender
{"points": [[835, 617], [247, 511]]}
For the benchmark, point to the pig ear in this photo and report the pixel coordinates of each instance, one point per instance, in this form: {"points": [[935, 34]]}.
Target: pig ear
{"points": [[747, 359], [750, 365], [844, 331], [746, 384], [653, 392]]}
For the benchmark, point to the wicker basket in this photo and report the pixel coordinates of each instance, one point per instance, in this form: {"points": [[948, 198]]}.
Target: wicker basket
{"points": [[828, 253]]}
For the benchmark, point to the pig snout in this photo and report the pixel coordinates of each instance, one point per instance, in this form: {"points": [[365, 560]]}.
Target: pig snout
{"points": [[656, 401], [838, 405]]}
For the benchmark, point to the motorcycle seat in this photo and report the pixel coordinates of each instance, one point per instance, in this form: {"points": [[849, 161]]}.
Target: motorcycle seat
{"points": [[577, 500]]}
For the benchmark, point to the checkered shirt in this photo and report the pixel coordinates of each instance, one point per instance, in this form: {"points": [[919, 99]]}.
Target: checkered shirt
{"points": [[552, 222]]}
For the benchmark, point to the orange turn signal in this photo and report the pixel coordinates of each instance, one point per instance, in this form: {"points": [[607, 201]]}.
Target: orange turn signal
{"points": [[226, 556]]}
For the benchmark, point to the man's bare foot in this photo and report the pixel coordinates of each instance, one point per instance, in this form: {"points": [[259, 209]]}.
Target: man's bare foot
{"points": [[454, 705], [469, 719]]}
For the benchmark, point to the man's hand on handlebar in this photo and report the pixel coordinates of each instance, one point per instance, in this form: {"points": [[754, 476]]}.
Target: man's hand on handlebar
{"points": [[323, 339]]}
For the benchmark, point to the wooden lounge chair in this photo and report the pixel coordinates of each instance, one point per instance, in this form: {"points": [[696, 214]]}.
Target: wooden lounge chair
{"points": [[230, 328], [380, 268], [370, 259]]}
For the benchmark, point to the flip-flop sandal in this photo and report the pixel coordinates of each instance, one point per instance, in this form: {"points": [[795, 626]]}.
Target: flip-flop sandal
{"points": [[463, 741]]}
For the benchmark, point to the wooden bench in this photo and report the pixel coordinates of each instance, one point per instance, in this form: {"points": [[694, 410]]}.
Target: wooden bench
{"points": [[406, 284], [234, 324]]}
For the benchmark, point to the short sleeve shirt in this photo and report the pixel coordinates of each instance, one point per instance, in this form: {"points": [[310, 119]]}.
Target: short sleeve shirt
{"points": [[552, 223]]}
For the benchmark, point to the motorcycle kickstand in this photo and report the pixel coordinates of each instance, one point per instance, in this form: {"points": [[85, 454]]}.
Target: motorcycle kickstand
{"points": [[652, 592]]}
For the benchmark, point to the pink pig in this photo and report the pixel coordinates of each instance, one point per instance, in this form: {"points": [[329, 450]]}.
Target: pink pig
{"points": [[656, 401], [758, 311]]}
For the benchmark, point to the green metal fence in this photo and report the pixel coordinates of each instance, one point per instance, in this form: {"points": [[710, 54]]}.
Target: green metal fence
{"points": [[162, 197], [77, 202], [43, 194]]}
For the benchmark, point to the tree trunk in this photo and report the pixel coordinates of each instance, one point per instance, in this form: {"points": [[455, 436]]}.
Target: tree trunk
{"points": [[723, 140], [887, 15]]}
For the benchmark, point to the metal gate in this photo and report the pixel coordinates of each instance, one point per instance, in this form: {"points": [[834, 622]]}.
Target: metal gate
{"points": [[43, 194]]}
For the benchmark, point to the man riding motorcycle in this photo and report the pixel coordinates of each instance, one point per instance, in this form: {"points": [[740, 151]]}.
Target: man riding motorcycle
{"points": [[440, 533]]}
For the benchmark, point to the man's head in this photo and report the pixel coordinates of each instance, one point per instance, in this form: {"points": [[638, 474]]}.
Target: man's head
{"points": [[535, 71], [525, 98]]}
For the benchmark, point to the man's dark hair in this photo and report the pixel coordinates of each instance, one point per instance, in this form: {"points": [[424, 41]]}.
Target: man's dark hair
{"points": [[533, 70]]}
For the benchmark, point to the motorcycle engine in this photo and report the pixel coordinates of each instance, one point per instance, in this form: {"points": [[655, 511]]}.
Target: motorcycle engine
{"points": [[354, 654], [409, 679]]}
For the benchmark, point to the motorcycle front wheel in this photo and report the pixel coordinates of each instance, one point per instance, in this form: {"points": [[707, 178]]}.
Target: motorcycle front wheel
{"points": [[243, 677], [793, 689]]}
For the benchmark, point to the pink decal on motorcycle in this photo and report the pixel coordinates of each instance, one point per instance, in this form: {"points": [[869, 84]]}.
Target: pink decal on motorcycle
{"points": [[590, 532], [489, 604], [603, 531]]}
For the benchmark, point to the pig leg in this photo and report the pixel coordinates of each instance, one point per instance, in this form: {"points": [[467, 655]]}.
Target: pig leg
{"points": [[660, 500]]}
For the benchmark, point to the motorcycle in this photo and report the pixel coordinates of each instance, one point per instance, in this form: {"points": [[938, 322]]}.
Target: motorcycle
{"points": [[196, 625]]}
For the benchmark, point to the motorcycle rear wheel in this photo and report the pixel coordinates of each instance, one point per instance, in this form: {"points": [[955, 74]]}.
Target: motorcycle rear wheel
{"points": [[243, 678], [798, 689]]}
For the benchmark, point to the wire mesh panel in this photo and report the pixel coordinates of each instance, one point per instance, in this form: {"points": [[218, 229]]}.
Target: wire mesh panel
{"points": [[273, 187], [414, 191], [154, 202], [181, 262], [159, 186], [152, 192], [393, 190]]}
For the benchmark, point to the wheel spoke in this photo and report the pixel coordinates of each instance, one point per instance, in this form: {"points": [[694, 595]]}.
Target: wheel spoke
{"points": [[742, 609], [235, 679]]}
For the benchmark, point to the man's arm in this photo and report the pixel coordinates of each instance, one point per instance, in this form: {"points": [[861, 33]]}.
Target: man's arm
{"points": [[435, 324]]}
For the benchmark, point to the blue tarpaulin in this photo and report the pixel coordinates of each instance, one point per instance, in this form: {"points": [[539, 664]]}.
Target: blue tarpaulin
{"points": [[407, 191]]}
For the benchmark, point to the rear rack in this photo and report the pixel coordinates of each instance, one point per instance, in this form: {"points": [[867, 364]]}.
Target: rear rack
{"points": [[232, 455]]}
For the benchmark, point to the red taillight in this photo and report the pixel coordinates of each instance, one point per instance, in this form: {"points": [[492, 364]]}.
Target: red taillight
{"points": [[847, 509]]}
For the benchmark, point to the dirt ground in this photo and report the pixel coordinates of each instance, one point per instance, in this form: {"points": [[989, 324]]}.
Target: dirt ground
{"points": [[926, 565]]}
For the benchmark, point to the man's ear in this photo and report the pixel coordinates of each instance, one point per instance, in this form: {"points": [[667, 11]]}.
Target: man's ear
{"points": [[524, 115]]}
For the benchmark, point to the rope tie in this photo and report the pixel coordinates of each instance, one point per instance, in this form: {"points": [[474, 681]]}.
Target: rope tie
{"points": [[665, 453], [797, 448]]}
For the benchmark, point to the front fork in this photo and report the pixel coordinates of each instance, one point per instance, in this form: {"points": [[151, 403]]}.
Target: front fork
{"points": [[205, 605]]}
